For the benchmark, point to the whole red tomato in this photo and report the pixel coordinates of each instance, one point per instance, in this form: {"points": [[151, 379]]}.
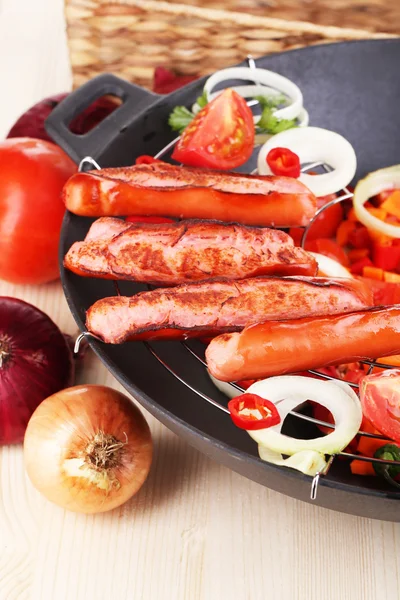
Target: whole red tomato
{"points": [[32, 174]]}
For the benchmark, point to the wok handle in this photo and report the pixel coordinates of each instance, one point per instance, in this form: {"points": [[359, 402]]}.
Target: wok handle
{"points": [[134, 100]]}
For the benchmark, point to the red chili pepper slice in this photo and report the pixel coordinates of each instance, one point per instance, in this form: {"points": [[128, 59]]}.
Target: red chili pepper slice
{"points": [[283, 161], [134, 219], [145, 159], [249, 411]]}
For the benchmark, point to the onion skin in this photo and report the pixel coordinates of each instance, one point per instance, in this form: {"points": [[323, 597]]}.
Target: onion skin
{"points": [[35, 360], [57, 441]]}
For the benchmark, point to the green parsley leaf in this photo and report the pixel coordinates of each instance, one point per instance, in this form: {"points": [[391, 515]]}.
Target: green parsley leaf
{"points": [[271, 124], [202, 100], [180, 118], [271, 101]]}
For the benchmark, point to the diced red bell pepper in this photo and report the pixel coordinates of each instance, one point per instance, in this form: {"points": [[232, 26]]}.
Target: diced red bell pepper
{"points": [[384, 293], [250, 412], [359, 237], [357, 254], [343, 232], [358, 266], [329, 248], [386, 257]]}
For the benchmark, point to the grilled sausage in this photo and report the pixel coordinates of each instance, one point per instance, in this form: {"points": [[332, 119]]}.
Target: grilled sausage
{"points": [[201, 309], [280, 347], [182, 252], [184, 192]]}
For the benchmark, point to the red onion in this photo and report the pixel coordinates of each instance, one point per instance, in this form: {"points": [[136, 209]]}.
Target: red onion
{"points": [[31, 123], [35, 362]]}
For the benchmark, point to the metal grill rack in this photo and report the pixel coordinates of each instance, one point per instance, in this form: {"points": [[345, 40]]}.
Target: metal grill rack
{"points": [[345, 194]]}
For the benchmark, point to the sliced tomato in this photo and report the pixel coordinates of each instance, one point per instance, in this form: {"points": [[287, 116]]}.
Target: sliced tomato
{"points": [[380, 401], [328, 248], [221, 135]]}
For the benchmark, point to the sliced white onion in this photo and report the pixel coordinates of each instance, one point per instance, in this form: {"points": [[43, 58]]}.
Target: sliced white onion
{"points": [[314, 144], [329, 267], [267, 80], [308, 462], [290, 391], [373, 184], [226, 388]]}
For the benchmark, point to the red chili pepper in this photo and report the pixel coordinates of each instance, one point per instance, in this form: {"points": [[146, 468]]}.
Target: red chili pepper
{"points": [[283, 161], [134, 219], [145, 159], [249, 411]]}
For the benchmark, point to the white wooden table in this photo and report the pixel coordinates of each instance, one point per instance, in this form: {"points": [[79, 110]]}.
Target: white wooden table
{"points": [[196, 531]]}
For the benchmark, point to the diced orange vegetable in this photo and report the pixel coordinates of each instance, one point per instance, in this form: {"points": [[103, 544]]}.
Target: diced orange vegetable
{"points": [[357, 253], [391, 277], [379, 213], [368, 446], [366, 424], [393, 360], [392, 204], [373, 273], [380, 238], [343, 232], [361, 467], [382, 196]]}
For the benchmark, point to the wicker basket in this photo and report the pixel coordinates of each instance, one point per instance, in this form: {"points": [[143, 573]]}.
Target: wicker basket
{"points": [[131, 37], [371, 15]]}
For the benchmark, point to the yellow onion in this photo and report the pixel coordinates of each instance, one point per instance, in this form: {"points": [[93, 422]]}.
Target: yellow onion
{"points": [[88, 448]]}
